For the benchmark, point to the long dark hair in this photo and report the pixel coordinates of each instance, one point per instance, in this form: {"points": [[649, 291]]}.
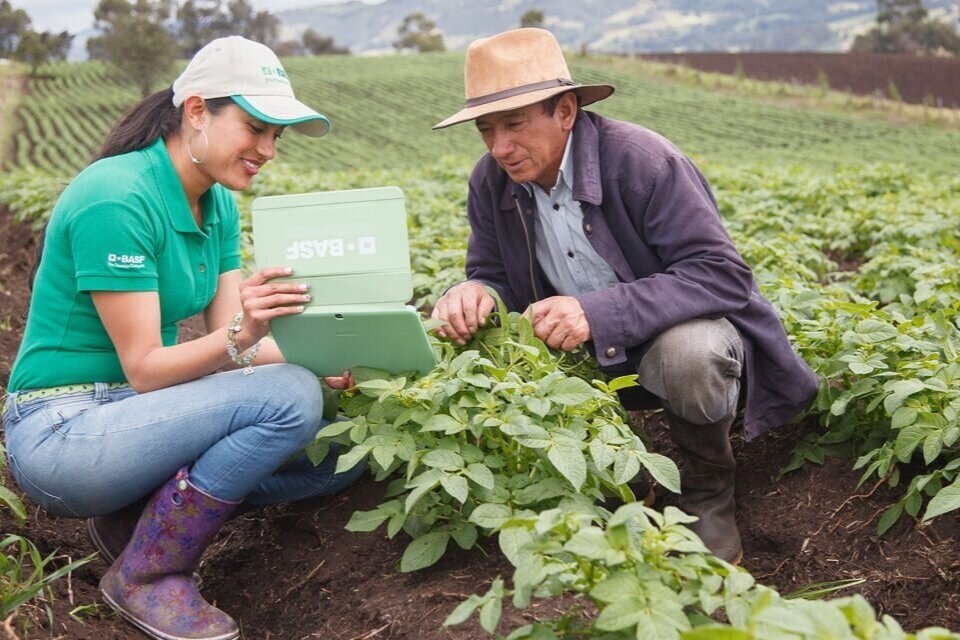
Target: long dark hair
{"points": [[153, 117]]}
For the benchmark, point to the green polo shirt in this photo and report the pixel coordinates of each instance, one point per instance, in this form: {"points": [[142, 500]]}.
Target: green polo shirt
{"points": [[122, 225]]}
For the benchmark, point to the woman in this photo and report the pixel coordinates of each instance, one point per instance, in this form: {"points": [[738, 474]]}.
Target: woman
{"points": [[104, 405]]}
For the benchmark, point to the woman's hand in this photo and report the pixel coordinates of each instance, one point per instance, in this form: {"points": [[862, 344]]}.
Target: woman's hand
{"points": [[263, 300], [340, 382]]}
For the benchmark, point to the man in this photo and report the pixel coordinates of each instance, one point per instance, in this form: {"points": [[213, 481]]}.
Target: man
{"points": [[613, 237]]}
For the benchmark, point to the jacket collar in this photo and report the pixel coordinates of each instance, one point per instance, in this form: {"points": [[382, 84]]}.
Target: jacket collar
{"points": [[586, 168]]}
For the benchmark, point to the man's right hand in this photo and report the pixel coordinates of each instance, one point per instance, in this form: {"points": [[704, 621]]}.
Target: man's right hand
{"points": [[463, 309]]}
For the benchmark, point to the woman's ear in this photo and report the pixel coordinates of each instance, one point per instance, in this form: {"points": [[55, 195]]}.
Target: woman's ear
{"points": [[195, 112]]}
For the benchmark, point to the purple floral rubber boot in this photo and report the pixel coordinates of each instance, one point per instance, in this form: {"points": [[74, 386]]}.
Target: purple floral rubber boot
{"points": [[150, 585]]}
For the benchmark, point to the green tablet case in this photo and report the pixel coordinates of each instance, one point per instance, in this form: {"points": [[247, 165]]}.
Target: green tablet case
{"points": [[352, 248]]}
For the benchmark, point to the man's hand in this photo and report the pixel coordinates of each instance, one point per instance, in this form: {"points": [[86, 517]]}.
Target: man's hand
{"points": [[560, 322], [341, 383], [463, 309]]}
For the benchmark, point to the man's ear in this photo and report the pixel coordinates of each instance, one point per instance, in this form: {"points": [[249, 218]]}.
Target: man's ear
{"points": [[567, 110], [195, 111]]}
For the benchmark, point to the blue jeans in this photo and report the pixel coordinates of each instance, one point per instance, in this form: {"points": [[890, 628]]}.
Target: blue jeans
{"points": [[93, 453]]}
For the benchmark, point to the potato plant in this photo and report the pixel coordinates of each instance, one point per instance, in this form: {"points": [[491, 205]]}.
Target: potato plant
{"points": [[501, 426], [650, 578]]}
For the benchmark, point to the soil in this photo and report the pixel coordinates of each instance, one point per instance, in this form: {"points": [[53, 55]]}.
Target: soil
{"points": [[292, 572], [919, 79]]}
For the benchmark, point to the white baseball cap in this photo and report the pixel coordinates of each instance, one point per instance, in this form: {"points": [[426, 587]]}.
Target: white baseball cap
{"points": [[251, 74]]}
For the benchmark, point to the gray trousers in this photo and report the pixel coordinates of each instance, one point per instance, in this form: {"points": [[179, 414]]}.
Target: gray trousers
{"points": [[692, 370]]}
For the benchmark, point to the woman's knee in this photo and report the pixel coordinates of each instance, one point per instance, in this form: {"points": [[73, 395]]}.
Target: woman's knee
{"points": [[295, 395]]}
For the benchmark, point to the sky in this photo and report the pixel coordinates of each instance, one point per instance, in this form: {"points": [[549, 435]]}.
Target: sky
{"points": [[77, 15]]}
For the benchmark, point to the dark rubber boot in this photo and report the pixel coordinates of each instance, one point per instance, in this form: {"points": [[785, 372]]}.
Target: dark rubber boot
{"points": [[150, 585], [707, 483]]}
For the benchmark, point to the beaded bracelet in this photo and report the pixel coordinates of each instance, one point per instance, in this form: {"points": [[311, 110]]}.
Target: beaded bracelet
{"points": [[245, 361]]}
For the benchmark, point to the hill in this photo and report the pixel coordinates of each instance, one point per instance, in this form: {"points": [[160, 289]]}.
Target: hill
{"points": [[614, 25], [382, 109]]}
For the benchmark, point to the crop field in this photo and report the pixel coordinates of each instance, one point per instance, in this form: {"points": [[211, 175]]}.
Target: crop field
{"points": [[480, 512], [917, 79]]}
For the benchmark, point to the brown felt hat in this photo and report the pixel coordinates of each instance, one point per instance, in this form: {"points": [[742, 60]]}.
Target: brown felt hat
{"points": [[515, 69]]}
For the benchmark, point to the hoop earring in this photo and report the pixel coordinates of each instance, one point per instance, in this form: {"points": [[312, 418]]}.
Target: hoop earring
{"points": [[206, 146]]}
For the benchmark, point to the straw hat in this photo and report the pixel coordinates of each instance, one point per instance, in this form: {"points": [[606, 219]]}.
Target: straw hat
{"points": [[515, 69]]}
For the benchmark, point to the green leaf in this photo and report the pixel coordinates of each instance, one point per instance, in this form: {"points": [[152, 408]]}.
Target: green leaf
{"points": [[317, 451], [367, 520], [463, 611], [10, 499], [932, 446], [946, 500], [571, 391], [481, 475], [663, 470], [419, 491], [904, 417], [899, 392], [456, 486], [465, 536], [716, 632], [539, 491], [569, 461], [491, 516], [335, 428], [602, 454], [352, 458], [623, 382], [539, 406], [424, 551], [873, 331], [444, 423], [443, 460], [889, 518], [513, 541], [622, 614], [490, 614], [625, 466], [908, 440]]}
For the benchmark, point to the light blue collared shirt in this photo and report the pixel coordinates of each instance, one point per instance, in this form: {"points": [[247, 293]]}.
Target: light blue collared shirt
{"points": [[567, 258]]}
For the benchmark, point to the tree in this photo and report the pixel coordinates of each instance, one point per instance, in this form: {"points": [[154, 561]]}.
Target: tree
{"points": [[318, 45], [904, 26], [35, 48], [532, 18], [201, 21], [13, 22], [134, 39], [264, 28], [418, 32]]}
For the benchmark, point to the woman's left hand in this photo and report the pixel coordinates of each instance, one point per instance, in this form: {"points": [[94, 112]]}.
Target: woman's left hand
{"points": [[340, 382]]}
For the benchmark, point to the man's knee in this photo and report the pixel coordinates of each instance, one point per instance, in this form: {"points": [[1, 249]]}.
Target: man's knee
{"points": [[695, 368]]}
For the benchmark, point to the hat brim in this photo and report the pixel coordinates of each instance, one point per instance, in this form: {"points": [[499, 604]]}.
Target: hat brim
{"points": [[286, 112], [589, 93]]}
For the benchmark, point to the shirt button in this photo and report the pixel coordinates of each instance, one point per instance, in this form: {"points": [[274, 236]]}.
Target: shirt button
{"points": [[556, 207], [202, 268], [588, 227], [612, 351]]}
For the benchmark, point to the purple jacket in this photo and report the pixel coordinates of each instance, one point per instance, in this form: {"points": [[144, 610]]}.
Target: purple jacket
{"points": [[649, 212]]}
